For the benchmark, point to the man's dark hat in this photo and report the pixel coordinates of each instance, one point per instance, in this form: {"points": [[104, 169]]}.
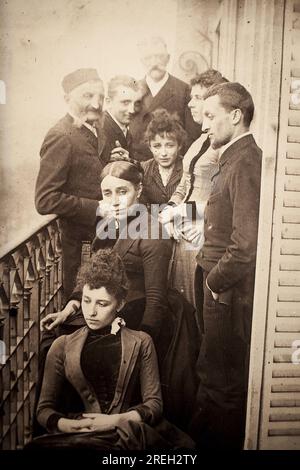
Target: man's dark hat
{"points": [[80, 76]]}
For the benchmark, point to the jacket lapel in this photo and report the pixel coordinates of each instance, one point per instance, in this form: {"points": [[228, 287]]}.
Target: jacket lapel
{"points": [[165, 94], [101, 140], [157, 178], [113, 131], [74, 372], [176, 173], [97, 142], [130, 350], [90, 137]]}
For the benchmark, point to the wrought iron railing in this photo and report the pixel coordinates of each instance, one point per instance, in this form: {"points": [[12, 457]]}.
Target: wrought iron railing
{"points": [[30, 287]]}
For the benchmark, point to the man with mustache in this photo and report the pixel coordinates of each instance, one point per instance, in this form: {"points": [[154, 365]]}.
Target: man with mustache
{"points": [[72, 157], [160, 90]]}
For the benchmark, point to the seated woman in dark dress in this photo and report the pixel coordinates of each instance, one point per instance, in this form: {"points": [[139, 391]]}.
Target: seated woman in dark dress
{"points": [[146, 255], [165, 315], [113, 369]]}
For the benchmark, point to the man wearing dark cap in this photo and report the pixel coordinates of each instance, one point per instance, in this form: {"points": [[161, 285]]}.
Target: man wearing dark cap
{"points": [[71, 162]]}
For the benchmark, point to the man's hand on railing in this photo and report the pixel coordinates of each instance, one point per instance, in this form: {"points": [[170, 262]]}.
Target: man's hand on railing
{"points": [[57, 318]]}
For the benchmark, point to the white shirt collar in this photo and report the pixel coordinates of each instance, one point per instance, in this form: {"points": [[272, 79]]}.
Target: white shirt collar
{"points": [[123, 128], [225, 147], [155, 87], [83, 123]]}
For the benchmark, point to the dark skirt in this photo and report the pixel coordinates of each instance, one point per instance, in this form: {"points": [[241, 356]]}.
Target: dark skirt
{"points": [[130, 436]]}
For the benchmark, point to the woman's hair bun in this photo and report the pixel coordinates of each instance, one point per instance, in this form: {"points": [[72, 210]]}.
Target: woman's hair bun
{"points": [[125, 158]]}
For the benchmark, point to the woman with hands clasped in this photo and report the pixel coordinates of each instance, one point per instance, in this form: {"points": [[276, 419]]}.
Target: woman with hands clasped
{"points": [[112, 368], [125, 226]]}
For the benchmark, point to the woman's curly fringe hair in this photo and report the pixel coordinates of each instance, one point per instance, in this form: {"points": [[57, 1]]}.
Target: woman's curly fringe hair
{"points": [[105, 268], [163, 123]]}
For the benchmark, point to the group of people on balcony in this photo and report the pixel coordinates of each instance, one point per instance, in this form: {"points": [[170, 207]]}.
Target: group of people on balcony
{"points": [[154, 337]]}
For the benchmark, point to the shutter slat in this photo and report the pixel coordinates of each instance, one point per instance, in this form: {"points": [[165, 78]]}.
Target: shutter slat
{"points": [[290, 247], [290, 231], [289, 264], [291, 199], [289, 402], [284, 432], [292, 170], [289, 279], [293, 133], [278, 421], [289, 215], [294, 105], [294, 118], [288, 294], [286, 340], [286, 387], [281, 425], [293, 150], [283, 358], [292, 183], [290, 415], [288, 310], [290, 370]]}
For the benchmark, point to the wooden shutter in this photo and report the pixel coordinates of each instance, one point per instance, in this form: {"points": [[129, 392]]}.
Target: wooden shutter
{"points": [[279, 426]]}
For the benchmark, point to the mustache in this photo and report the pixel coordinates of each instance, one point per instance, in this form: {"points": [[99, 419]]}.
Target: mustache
{"points": [[95, 110], [156, 67]]}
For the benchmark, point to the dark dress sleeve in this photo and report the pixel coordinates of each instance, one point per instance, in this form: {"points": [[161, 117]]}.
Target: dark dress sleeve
{"points": [[53, 386], [156, 255]]}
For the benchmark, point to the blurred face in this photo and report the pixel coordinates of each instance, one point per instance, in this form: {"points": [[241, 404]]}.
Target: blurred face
{"points": [[98, 307], [123, 104], [155, 59], [196, 102], [165, 150], [86, 101], [217, 122], [119, 195]]}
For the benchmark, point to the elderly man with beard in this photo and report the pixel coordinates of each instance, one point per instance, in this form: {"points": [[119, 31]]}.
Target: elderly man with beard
{"points": [[72, 157]]}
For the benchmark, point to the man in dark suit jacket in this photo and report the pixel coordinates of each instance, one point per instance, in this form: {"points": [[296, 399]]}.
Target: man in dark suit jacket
{"points": [[71, 162], [160, 90], [123, 93], [226, 266]]}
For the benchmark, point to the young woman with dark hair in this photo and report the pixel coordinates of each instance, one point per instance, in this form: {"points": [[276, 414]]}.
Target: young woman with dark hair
{"points": [[137, 237], [166, 138], [112, 368]]}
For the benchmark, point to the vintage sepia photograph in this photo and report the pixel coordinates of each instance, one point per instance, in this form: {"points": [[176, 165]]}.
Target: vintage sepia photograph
{"points": [[150, 228]]}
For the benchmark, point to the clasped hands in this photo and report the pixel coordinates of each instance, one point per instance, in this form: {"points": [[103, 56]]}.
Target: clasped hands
{"points": [[88, 422], [97, 421]]}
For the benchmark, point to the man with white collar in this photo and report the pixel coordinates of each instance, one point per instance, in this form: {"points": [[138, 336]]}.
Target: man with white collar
{"points": [[226, 263], [123, 94], [72, 157], [160, 90]]}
